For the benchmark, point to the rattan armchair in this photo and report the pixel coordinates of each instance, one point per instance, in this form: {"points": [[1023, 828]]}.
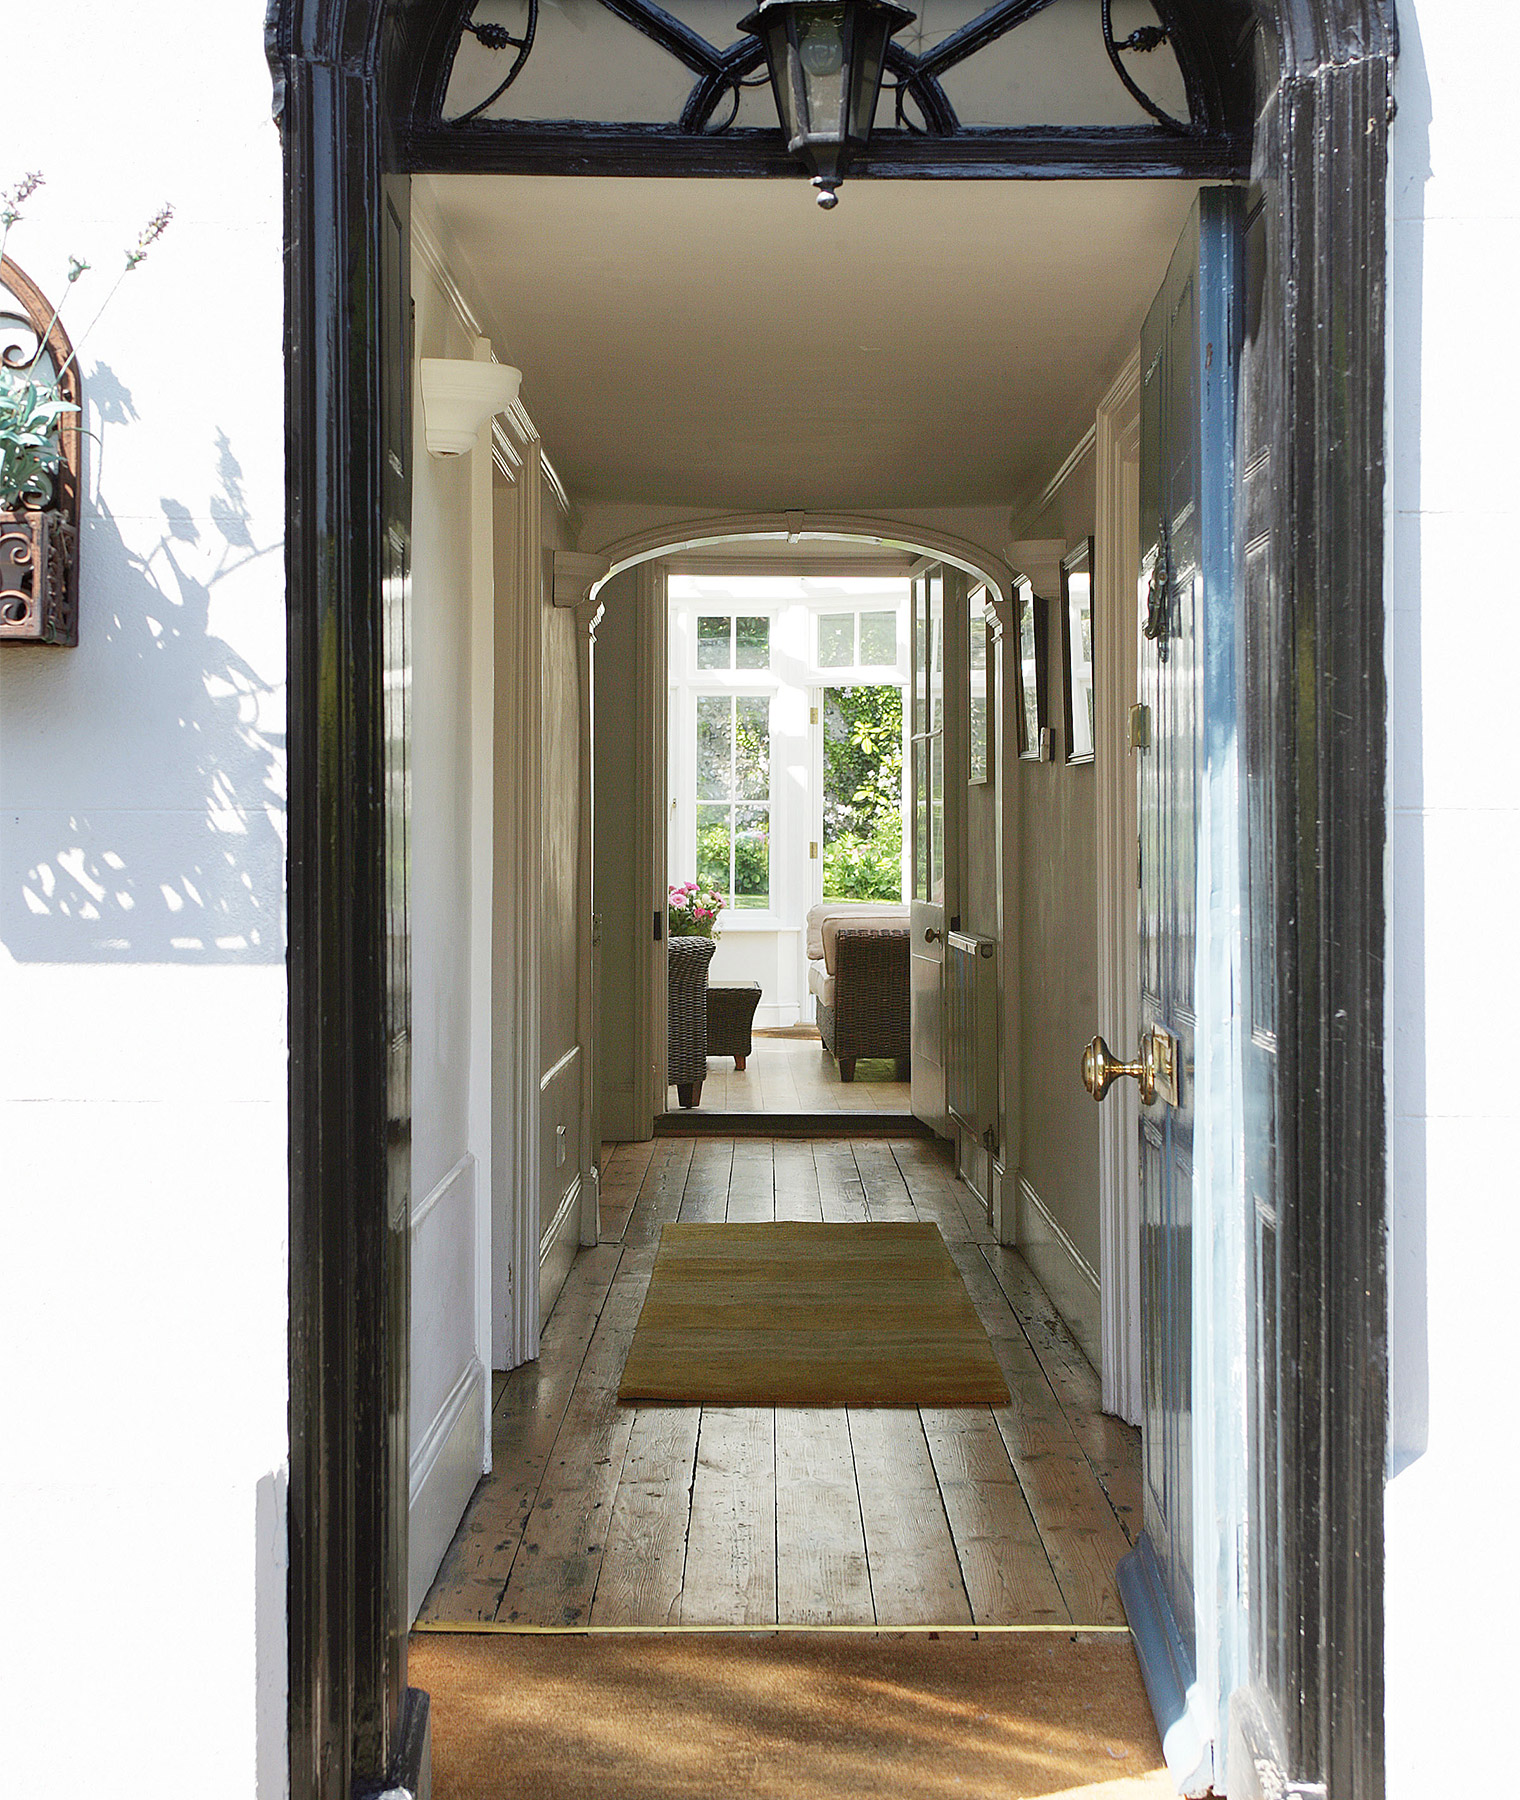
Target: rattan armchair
{"points": [[686, 1019], [871, 1012]]}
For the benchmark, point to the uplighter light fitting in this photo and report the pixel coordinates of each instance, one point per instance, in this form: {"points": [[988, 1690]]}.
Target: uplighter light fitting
{"points": [[458, 397]]}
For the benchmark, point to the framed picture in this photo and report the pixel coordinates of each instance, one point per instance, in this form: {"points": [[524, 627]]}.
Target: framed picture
{"points": [[1032, 660], [978, 757], [1077, 651]]}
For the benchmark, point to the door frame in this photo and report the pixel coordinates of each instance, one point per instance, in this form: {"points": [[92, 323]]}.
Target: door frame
{"points": [[346, 74]]}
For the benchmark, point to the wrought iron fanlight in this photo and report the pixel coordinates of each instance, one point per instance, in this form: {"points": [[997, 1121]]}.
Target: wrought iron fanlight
{"points": [[826, 59], [922, 135]]}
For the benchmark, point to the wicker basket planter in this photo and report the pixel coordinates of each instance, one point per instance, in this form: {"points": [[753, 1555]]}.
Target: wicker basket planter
{"points": [[39, 594]]}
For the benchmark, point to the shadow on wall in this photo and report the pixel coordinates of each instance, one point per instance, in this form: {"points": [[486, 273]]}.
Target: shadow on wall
{"points": [[144, 772]]}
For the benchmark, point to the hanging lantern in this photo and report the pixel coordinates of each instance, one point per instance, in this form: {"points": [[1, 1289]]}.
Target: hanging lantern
{"points": [[826, 59]]}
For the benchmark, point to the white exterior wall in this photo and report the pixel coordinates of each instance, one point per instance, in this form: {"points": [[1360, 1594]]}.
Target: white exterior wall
{"points": [[142, 984], [1453, 868]]}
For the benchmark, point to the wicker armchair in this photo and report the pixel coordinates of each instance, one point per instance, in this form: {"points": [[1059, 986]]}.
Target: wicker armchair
{"points": [[865, 1009], [686, 1032]]}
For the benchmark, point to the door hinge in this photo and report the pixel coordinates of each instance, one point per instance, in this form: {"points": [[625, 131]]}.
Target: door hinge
{"points": [[812, 850], [1139, 726], [812, 715], [659, 923]]}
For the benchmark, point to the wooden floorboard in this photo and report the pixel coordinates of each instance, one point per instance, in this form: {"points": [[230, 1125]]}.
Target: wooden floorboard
{"points": [[608, 1515]]}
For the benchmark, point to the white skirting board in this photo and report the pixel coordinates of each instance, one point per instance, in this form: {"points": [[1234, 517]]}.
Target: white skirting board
{"points": [[444, 1465], [1065, 1274], [557, 1252]]}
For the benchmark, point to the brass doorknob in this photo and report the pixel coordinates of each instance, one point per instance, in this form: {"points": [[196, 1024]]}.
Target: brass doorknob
{"points": [[1100, 1070]]}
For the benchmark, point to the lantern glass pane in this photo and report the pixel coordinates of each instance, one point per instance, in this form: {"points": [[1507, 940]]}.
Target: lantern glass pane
{"points": [[820, 51], [870, 50]]}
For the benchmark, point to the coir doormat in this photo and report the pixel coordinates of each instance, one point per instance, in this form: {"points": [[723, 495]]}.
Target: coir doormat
{"points": [[809, 1314]]}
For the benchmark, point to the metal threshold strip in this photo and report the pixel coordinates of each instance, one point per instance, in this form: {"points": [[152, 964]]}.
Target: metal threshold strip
{"points": [[495, 1628]]}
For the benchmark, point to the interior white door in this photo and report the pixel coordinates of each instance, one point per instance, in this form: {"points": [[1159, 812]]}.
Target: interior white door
{"points": [[926, 961]]}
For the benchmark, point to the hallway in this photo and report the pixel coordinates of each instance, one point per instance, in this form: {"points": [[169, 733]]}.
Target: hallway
{"points": [[608, 1515]]}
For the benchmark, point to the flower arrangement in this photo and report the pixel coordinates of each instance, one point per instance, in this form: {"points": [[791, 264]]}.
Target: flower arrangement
{"points": [[694, 910]]}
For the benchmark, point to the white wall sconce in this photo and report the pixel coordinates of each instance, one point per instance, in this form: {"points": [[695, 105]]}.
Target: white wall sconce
{"points": [[458, 397]]}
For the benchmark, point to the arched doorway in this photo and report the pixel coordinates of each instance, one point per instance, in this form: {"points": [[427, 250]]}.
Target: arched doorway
{"points": [[359, 88]]}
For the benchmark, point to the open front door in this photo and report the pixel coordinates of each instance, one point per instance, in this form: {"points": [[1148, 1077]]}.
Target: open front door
{"points": [[926, 963], [1184, 736]]}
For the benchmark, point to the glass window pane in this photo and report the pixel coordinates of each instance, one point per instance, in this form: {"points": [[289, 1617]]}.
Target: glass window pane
{"points": [[752, 857], [836, 640], [878, 640], [713, 649], [921, 818], [713, 865], [920, 656], [862, 793], [937, 819], [714, 742], [752, 639], [752, 749]]}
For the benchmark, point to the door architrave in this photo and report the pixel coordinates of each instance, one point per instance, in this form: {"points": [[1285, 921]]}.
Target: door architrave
{"points": [[343, 71], [1116, 552]]}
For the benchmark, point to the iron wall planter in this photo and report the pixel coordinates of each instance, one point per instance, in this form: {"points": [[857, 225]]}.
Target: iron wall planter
{"points": [[39, 579]]}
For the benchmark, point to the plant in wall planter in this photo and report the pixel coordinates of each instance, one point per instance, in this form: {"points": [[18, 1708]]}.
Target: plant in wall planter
{"points": [[40, 442], [694, 910]]}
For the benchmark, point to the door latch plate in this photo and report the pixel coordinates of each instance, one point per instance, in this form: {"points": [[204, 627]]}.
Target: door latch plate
{"points": [[1166, 1065]]}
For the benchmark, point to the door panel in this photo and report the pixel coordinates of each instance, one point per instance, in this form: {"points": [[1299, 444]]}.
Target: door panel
{"points": [[926, 961], [1189, 935]]}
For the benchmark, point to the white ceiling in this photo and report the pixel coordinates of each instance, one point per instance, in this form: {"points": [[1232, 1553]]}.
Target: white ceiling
{"points": [[724, 343]]}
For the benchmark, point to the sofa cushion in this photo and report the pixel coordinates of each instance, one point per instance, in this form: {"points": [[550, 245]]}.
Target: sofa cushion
{"points": [[862, 912], [821, 983]]}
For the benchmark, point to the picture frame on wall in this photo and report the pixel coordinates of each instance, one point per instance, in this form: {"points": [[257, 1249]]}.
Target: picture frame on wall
{"points": [[1032, 660], [1077, 652]]}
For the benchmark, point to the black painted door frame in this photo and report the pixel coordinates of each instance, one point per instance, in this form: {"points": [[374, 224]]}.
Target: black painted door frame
{"points": [[1320, 71]]}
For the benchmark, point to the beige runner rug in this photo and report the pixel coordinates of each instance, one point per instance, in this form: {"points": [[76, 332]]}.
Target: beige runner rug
{"points": [[809, 1314]]}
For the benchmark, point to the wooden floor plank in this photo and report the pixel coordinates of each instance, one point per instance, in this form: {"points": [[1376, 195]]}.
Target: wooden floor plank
{"points": [[1081, 1535], [797, 1195], [555, 1570], [840, 1192], [731, 1548], [752, 1185], [885, 1190], [705, 1201], [915, 1574], [938, 1193], [821, 1572], [525, 1423], [1111, 1446], [644, 1561], [659, 1200], [1008, 1576]]}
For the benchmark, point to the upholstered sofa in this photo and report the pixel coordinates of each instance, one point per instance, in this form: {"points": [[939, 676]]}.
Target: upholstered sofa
{"points": [[858, 977]]}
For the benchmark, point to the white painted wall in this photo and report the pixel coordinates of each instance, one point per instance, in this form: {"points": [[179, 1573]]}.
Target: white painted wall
{"points": [[1453, 641], [451, 978], [142, 987]]}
